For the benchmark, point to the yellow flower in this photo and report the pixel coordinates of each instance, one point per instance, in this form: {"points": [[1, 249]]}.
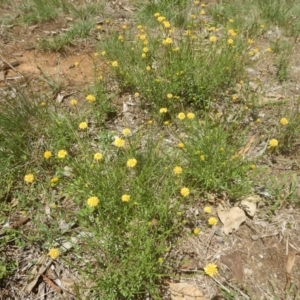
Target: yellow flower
{"points": [[83, 125], [213, 39], [96, 54], [124, 27], [202, 12], [144, 55], [161, 19], [284, 121], [90, 98], [145, 49], [47, 154], [115, 64], [231, 20], [196, 231], [62, 153], [166, 123], [232, 33], [54, 181], [250, 53], [29, 178], [73, 102], [167, 41], [273, 143], [148, 68], [131, 163], [167, 24], [250, 41], [120, 143], [98, 156], [269, 49], [76, 64], [180, 145], [54, 253], [230, 41], [212, 221], [120, 38], [92, 201], [142, 37], [177, 170], [160, 260], [127, 131], [211, 270], [202, 157], [99, 27], [169, 96], [163, 110], [181, 116], [190, 116], [253, 166], [184, 192], [125, 198], [103, 53], [207, 209], [156, 15]]}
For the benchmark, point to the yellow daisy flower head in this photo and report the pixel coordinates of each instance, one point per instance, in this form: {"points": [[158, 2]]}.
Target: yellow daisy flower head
{"points": [[190, 115], [92, 201], [230, 41], [177, 170], [125, 198], [167, 24], [29, 178], [180, 145], [126, 132], [212, 221], [202, 12], [62, 153], [196, 231], [115, 64], [156, 15], [148, 68], [160, 260], [131, 163], [211, 270], [181, 116], [54, 181], [98, 156], [213, 39], [76, 64], [83, 125], [54, 253], [273, 143], [167, 41], [207, 209], [163, 110], [202, 157], [144, 55], [169, 96], [145, 49], [118, 142], [47, 154], [73, 102], [284, 121], [161, 19], [184, 191], [103, 53], [90, 98]]}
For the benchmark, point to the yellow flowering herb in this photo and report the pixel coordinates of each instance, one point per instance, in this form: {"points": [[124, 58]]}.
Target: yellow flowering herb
{"points": [[47, 154], [98, 156], [169, 96], [118, 142], [202, 12], [177, 170], [90, 98], [207, 209], [126, 131], [29, 178], [125, 198], [76, 64], [54, 181], [145, 49], [167, 24], [83, 125], [92, 201], [156, 15], [202, 157], [180, 145], [211, 270], [230, 41], [131, 163], [284, 121], [160, 260], [115, 64], [73, 102], [213, 39], [148, 68], [103, 53], [212, 221], [62, 153], [190, 116], [163, 110], [184, 192], [181, 116], [196, 231], [273, 143], [54, 253], [161, 19]]}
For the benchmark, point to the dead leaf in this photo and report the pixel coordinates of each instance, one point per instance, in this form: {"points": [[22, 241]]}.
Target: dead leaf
{"points": [[185, 291], [249, 207], [33, 28], [234, 262], [231, 219], [289, 266], [248, 146]]}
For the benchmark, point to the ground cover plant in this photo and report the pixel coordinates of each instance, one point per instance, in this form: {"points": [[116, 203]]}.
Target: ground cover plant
{"points": [[110, 195]]}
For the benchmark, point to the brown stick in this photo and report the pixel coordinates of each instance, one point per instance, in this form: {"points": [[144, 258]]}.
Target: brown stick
{"points": [[52, 284]]}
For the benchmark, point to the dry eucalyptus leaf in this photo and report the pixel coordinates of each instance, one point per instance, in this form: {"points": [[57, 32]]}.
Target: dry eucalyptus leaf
{"points": [[249, 207], [185, 291], [231, 219]]}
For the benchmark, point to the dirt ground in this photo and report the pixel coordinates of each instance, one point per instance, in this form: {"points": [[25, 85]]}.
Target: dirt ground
{"points": [[254, 259]]}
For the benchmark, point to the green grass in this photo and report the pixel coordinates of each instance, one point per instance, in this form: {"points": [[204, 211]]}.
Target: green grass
{"points": [[187, 72]]}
